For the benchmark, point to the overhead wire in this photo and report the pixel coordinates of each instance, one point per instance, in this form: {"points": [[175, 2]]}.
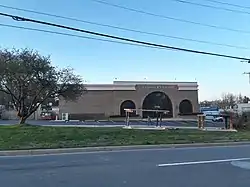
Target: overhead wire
{"points": [[73, 35], [170, 18], [18, 18], [228, 4], [211, 6], [125, 29]]}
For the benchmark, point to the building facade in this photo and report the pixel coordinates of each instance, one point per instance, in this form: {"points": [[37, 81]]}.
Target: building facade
{"points": [[105, 100]]}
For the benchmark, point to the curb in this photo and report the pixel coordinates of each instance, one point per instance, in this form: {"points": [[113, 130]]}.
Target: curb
{"points": [[113, 148]]}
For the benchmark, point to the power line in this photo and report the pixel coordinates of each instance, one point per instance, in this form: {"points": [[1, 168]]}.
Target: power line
{"points": [[125, 29], [73, 35], [169, 18], [229, 4], [213, 7], [18, 18]]}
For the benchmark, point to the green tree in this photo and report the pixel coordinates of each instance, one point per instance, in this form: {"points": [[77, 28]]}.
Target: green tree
{"points": [[29, 79]]}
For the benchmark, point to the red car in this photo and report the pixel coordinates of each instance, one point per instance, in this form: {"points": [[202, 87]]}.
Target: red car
{"points": [[48, 116]]}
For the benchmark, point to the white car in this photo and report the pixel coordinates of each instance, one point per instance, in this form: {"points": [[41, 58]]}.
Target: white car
{"points": [[218, 119]]}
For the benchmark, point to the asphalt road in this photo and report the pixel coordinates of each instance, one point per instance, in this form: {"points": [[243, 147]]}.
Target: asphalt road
{"points": [[121, 123], [189, 167]]}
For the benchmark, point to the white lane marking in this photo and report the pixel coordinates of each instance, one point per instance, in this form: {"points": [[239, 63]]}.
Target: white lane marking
{"points": [[202, 162], [241, 164], [126, 150]]}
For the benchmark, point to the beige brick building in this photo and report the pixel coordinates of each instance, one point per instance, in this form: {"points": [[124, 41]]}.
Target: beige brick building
{"points": [[104, 100]]}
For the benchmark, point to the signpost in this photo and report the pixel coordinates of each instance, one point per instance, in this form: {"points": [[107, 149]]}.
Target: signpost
{"points": [[157, 107], [157, 111], [127, 112]]}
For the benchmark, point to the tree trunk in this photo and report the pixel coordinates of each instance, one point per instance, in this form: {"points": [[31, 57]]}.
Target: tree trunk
{"points": [[22, 121]]}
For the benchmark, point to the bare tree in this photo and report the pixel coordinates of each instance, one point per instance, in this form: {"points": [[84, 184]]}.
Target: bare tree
{"points": [[228, 100]]}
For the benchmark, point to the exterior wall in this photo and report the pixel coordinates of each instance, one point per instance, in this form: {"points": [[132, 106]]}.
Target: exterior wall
{"points": [[106, 100], [121, 96], [191, 96], [12, 115], [9, 115], [91, 103], [145, 90]]}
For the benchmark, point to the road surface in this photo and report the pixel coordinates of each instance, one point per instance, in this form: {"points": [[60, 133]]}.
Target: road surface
{"points": [[189, 167]]}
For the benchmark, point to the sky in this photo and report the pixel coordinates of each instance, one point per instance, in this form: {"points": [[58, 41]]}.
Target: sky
{"points": [[102, 62]]}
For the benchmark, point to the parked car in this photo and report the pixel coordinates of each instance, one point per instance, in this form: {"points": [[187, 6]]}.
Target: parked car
{"points": [[218, 119], [48, 116]]}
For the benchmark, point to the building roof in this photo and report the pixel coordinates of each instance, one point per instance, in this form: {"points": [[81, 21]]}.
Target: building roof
{"points": [[131, 85], [153, 82]]}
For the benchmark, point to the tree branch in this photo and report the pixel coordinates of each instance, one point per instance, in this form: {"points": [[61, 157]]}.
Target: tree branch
{"points": [[34, 101], [37, 106], [10, 92], [2, 90]]}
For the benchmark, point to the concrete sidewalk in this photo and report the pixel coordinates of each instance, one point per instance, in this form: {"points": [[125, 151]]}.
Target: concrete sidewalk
{"points": [[146, 127], [178, 127]]}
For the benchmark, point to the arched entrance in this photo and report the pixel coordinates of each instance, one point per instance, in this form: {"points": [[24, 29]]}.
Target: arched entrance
{"points": [[185, 107], [157, 100], [129, 105]]}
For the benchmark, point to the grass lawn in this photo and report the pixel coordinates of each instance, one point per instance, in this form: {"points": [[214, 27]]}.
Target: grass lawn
{"points": [[35, 137]]}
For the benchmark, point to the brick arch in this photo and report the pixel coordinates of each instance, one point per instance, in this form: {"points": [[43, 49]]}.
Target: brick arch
{"points": [[160, 99], [185, 107], [127, 104]]}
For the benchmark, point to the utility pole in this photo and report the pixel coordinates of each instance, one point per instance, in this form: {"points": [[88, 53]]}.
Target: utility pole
{"points": [[247, 73]]}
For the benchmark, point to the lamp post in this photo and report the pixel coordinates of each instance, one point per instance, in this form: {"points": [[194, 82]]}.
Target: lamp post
{"points": [[247, 73]]}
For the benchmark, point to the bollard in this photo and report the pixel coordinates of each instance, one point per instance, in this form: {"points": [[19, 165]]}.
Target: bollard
{"points": [[198, 121], [201, 121]]}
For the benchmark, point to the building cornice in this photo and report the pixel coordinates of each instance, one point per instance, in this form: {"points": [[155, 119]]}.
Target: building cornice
{"points": [[131, 85]]}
